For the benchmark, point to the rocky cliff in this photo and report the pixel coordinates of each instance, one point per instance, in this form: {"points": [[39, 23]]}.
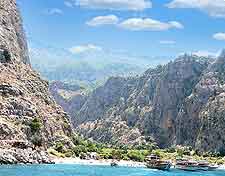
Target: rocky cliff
{"points": [[12, 36], [178, 103], [70, 97], [30, 121]]}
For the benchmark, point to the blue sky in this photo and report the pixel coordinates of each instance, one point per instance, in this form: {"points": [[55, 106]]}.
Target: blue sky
{"points": [[138, 28]]}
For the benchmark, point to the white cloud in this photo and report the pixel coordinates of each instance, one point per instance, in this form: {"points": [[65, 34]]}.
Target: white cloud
{"points": [[147, 24], [68, 4], [85, 49], [176, 24], [54, 11], [135, 5], [103, 20], [215, 8], [219, 36], [135, 24], [167, 42]]}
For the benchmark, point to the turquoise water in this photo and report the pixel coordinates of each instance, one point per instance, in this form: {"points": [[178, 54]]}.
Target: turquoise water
{"points": [[77, 170]]}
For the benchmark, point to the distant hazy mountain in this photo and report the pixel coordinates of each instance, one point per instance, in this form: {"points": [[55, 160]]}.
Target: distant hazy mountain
{"points": [[90, 69]]}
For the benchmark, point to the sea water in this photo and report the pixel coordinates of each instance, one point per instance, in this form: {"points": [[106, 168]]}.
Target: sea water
{"points": [[78, 170]]}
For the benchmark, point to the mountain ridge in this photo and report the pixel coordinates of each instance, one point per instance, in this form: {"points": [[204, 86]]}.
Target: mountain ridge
{"points": [[164, 103]]}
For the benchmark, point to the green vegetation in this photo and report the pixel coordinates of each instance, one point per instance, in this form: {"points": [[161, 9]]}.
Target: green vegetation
{"points": [[188, 152], [84, 147], [37, 140], [7, 56], [137, 155], [59, 147], [35, 125], [55, 153]]}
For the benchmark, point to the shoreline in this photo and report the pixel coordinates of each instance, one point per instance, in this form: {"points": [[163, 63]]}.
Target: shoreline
{"points": [[92, 162]]}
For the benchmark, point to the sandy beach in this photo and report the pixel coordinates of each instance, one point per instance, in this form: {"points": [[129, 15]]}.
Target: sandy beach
{"points": [[79, 161], [121, 163]]}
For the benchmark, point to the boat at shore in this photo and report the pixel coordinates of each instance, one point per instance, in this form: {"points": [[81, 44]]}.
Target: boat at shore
{"points": [[154, 162], [114, 163], [190, 165], [186, 165], [213, 167]]}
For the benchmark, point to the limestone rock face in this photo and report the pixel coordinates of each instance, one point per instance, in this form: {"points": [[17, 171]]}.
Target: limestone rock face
{"points": [[29, 117], [12, 38], [179, 103], [70, 97], [26, 156], [23, 97], [212, 116]]}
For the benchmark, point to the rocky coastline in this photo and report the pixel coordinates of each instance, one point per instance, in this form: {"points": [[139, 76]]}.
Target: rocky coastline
{"points": [[24, 156]]}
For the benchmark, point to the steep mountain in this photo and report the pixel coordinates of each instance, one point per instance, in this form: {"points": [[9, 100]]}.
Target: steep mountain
{"points": [[70, 97], [11, 32], [30, 120], [212, 116], [178, 103]]}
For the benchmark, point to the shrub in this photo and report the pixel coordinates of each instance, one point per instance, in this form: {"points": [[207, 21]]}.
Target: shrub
{"points": [[35, 125], [68, 154], [82, 155], [125, 157], [220, 162], [59, 147], [91, 147], [180, 152], [157, 153], [7, 56], [117, 154], [37, 140], [171, 150], [78, 140], [77, 150], [66, 125], [106, 153], [55, 153], [136, 155]]}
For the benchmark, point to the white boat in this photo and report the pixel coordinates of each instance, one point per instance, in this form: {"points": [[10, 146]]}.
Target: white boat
{"points": [[154, 162], [189, 165], [213, 167]]}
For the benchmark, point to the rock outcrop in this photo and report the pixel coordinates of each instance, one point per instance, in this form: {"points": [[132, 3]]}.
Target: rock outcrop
{"points": [[70, 97], [30, 120], [26, 156], [179, 103], [12, 37]]}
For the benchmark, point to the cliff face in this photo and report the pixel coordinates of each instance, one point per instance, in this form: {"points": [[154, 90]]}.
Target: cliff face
{"points": [[179, 103], [12, 37], [30, 120], [70, 97], [212, 117]]}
